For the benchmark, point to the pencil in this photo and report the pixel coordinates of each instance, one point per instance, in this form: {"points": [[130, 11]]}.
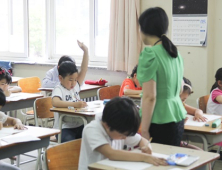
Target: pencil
{"points": [[150, 139]]}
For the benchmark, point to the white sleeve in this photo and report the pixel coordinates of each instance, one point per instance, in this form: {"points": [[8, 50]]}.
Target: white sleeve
{"points": [[47, 81], [133, 140], [57, 92], [3, 117], [94, 137]]}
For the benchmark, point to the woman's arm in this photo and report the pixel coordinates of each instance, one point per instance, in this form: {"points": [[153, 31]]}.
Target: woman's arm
{"points": [[148, 104]]}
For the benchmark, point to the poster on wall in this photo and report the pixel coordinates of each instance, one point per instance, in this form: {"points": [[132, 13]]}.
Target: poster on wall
{"points": [[189, 22]]}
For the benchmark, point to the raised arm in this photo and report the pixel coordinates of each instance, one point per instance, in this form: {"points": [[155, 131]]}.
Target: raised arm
{"points": [[148, 104], [84, 65]]}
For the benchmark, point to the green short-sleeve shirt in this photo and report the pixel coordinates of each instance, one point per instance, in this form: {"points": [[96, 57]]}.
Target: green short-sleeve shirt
{"points": [[156, 64]]}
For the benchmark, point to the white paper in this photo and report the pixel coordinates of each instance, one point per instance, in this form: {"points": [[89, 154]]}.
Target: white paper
{"points": [[131, 165], [191, 122], [189, 31], [8, 131], [18, 138], [20, 96]]}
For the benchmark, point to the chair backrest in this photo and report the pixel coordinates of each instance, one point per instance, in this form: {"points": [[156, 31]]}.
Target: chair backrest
{"points": [[202, 103], [64, 156], [30, 84], [108, 92], [42, 107]]}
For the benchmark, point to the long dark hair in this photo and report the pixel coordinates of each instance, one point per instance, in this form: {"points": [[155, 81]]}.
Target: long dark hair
{"points": [[154, 21], [218, 76]]}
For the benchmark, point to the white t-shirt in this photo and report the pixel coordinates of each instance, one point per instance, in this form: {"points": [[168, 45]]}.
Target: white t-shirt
{"points": [[3, 117], [214, 107], [94, 135], [67, 95]]}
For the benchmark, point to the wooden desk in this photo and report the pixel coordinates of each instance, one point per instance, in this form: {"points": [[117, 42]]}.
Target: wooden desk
{"points": [[205, 157], [66, 114], [18, 101], [206, 135], [86, 91], [135, 98], [8, 150]]}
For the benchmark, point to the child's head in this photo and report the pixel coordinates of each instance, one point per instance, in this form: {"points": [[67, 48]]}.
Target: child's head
{"points": [[134, 76], [68, 74], [5, 77], [218, 80], [154, 23], [65, 58], [187, 89], [121, 118], [2, 98]]}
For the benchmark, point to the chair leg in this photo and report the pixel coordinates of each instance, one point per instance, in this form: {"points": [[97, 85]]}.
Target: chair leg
{"points": [[218, 151], [38, 164], [18, 160]]}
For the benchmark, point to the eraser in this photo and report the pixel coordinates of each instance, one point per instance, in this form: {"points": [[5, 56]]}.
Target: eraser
{"points": [[71, 108], [207, 124], [106, 101], [216, 123]]}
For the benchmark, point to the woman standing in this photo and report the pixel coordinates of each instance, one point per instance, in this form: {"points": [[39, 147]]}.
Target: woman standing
{"points": [[160, 72]]}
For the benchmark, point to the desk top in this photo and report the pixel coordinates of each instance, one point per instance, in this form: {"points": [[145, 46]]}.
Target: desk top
{"points": [[205, 157], [15, 79], [204, 129], [94, 107], [134, 96], [83, 88], [14, 97], [34, 131]]}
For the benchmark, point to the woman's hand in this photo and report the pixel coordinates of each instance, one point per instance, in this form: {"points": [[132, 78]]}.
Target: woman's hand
{"points": [[145, 134], [147, 149]]}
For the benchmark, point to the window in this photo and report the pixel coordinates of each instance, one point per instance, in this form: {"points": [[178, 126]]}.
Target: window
{"points": [[42, 29]]}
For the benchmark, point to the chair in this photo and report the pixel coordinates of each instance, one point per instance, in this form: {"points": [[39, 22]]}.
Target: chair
{"points": [[202, 103], [108, 92], [64, 156], [42, 108], [29, 85]]}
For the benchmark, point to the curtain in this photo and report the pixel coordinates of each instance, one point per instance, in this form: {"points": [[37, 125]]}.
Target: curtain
{"points": [[124, 39]]}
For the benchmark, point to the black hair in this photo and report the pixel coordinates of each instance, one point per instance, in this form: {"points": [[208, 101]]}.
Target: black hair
{"points": [[218, 76], [154, 21], [67, 68], [187, 88], [2, 98], [65, 58], [122, 115], [134, 71], [4, 74]]}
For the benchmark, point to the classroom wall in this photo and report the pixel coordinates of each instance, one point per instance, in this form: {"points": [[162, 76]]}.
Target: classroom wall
{"points": [[200, 63]]}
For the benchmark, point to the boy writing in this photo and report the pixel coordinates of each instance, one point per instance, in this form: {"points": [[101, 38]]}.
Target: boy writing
{"points": [[118, 127]]}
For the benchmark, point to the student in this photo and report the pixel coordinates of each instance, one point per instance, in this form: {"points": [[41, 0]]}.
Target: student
{"points": [[52, 76], [5, 80], [131, 86], [106, 138], [214, 104], [187, 90], [67, 94], [160, 73], [7, 121]]}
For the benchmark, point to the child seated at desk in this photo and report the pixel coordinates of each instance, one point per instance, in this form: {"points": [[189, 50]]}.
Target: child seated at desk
{"points": [[106, 138], [214, 104], [7, 121], [67, 94], [131, 86], [5, 80], [187, 90], [52, 76]]}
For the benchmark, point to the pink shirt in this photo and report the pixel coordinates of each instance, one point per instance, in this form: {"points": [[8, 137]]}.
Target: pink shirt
{"points": [[215, 93], [213, 106]]}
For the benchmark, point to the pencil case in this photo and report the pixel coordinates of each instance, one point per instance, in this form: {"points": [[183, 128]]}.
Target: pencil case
{"points": [[100, 82]]}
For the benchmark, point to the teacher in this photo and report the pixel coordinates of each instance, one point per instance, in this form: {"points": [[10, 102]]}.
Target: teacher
{"points": [[160, 72]]}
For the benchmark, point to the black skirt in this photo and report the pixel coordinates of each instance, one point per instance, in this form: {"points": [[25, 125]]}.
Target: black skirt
{"points": [[168, 134]]}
